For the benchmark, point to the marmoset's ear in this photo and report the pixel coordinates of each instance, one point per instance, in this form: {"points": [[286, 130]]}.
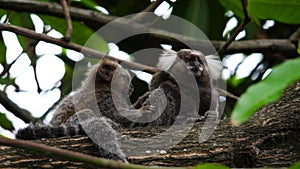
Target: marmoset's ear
{"points": [[214, 66], [166, 60]]}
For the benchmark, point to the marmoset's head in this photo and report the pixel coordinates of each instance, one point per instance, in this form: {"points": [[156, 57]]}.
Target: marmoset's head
{"points": [[110, 72], [195, 61]]}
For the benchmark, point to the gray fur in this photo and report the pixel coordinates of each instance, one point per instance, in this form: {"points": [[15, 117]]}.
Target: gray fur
{"points": [[100, 105]]}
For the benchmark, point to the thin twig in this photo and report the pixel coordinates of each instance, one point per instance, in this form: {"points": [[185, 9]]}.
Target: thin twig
{"points": [[15, 109], [71, 155], [240, 28], [227, 94], [30, 50], [8, 66], [33, 64], [64, 5]]}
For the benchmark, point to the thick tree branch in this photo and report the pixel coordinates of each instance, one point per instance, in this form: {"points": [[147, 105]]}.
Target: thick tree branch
{"points": [[271, 138], [70, 155], [156, 37]]}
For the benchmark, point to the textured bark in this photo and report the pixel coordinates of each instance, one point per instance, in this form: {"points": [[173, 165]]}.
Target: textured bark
{"points": [[270, 138]]}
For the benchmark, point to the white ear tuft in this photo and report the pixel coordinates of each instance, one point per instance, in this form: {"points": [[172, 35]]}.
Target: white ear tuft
{"points": [[166, 60], [214, 66]]}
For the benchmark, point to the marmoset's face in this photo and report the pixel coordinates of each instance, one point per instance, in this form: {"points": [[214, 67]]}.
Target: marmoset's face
{"points": [[193, 61]]}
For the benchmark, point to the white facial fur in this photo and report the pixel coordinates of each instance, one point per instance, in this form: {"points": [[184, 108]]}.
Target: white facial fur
{"points": [[168, 58]]}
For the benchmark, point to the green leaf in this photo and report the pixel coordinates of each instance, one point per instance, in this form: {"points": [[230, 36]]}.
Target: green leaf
{"points": [[5, 123], [201, 17], [211, 166], [2, 12], [4, 81], [89, 3], [295, 165], [266, 91], [7, 81], [267, 9], [2, 51], [286, 11], [298, 49], [234, 81]]}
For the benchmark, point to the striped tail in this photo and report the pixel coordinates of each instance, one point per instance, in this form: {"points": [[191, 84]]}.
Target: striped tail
{"points": [[40, 131]]}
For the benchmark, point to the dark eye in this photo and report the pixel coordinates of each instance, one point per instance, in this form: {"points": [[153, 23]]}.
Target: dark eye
{"points": [[196, 63]]}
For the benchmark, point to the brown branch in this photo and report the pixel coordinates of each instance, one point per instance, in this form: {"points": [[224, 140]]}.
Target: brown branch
{"points": [[240, 28], [64, 5], [227, 94], [8, 66], [33, 63], [15, 109], [70, 155], [271, 138], [157, 36], [87, 51]]}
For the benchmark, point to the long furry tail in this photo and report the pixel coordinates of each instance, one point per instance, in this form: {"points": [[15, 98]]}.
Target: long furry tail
{"points": [[40, 131]]}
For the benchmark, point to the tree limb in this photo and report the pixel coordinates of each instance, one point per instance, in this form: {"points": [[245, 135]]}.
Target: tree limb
{"points": [[87, 51], [12, 107], [69, 155], [271, 138], [157, 36]]}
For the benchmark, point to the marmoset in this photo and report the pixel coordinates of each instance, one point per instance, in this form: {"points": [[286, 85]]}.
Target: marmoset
{"points": [[204, 70], [94, 109], [100, 105]]}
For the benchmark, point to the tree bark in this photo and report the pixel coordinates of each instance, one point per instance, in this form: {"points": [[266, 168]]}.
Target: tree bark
{"points": [[271, 138]]}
